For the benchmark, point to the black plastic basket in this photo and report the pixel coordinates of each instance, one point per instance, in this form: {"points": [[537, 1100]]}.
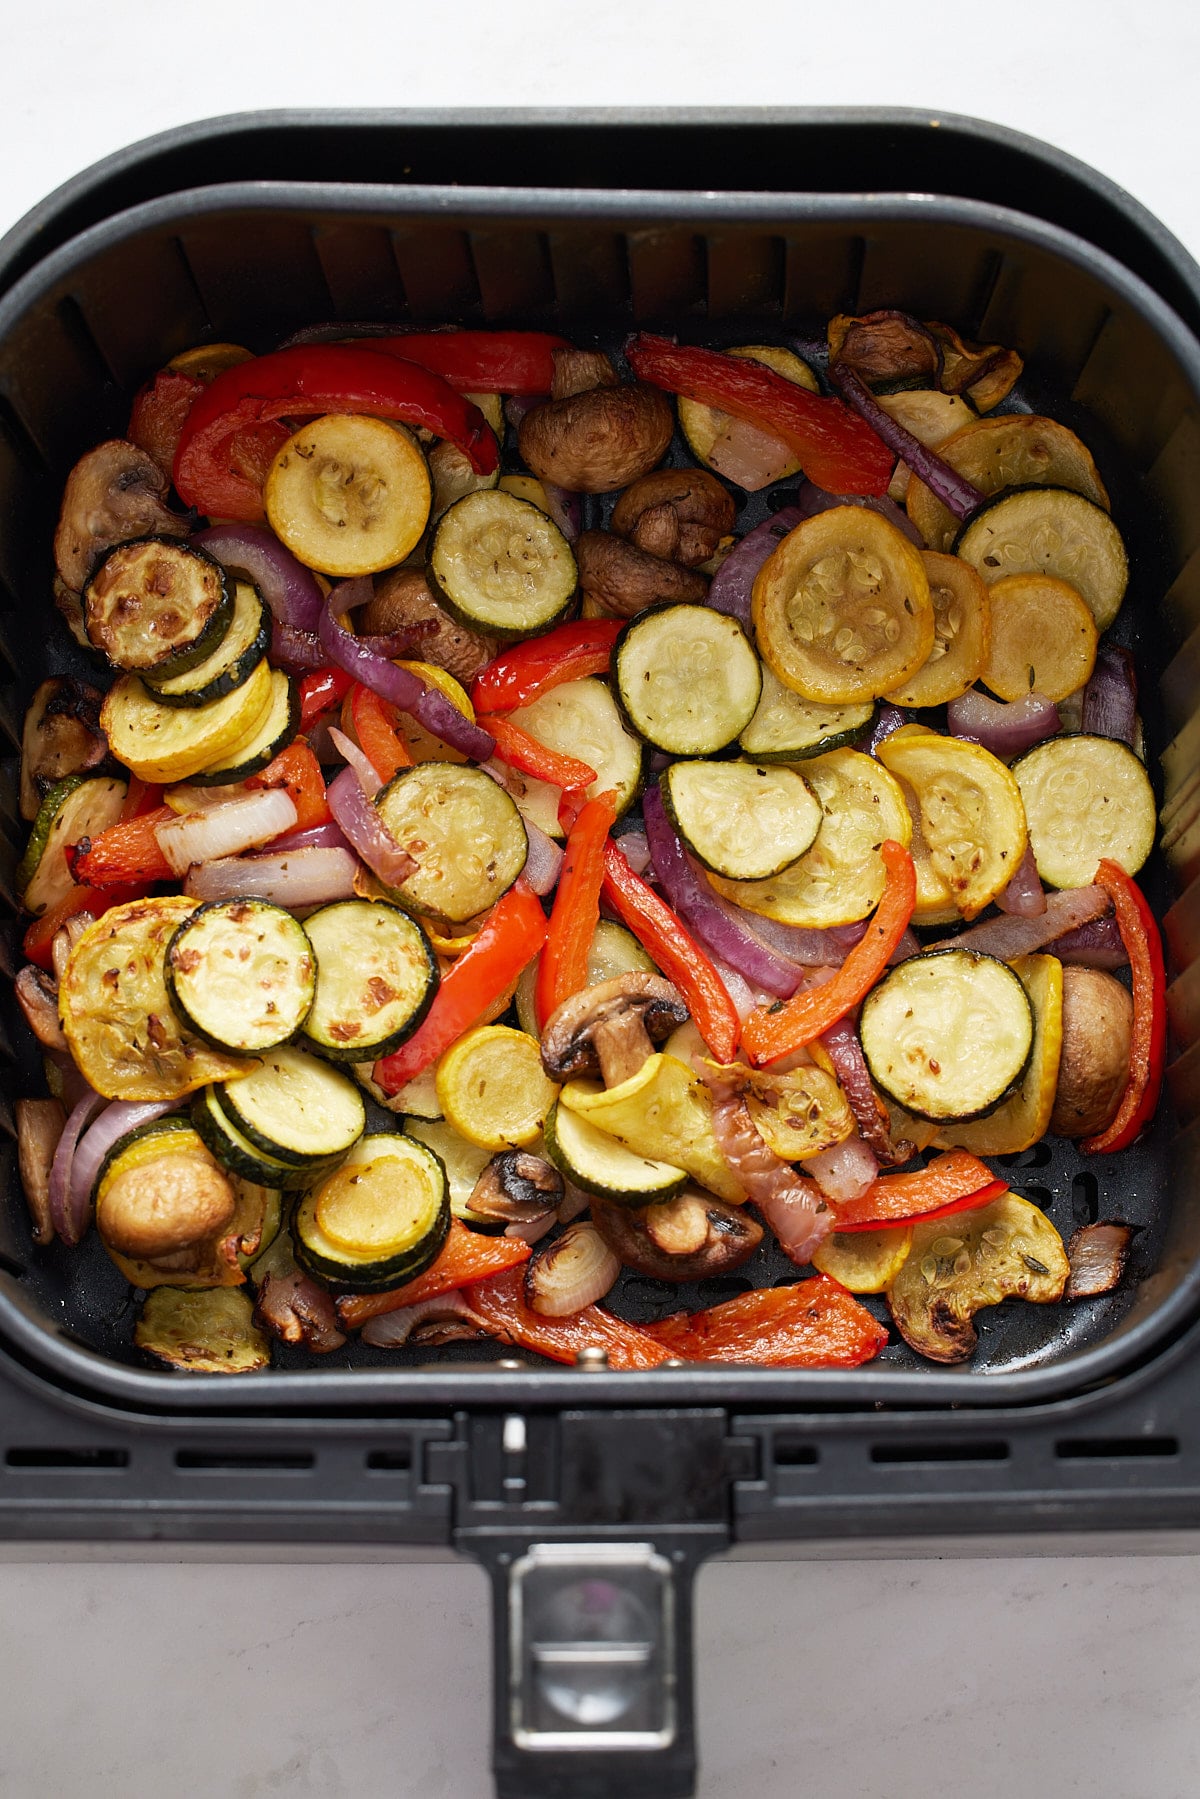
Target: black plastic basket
{"points": [[588, 1489]]}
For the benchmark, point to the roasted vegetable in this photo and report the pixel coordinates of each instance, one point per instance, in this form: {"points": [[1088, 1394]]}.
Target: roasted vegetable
{"points": [[61, 736], [1097, 1032]]}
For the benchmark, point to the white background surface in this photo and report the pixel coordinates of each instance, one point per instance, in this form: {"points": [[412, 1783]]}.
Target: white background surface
{"points": [[1004, 1677]]}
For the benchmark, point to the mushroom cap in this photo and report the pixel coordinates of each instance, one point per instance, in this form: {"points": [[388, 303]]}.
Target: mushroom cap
{"points": [[114, 493], [518, 1187], [568, 1040]]}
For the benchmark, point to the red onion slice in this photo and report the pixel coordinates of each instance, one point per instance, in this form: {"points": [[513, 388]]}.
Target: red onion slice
{"points": [[564, 508], [1095, 945], [310, 877], [316, 837], [121, 1117], [68, 1224], [399, 686], [290, 590], [812, 499], [1009, 936], [391, 1330], [362, 825], [1110, 697], [543, 864], [955, 493], [714, 921], [733, 583], [358, 760], [807, 945], [854, 1078], [888, 720], [1006, 728], [1024, 896]]}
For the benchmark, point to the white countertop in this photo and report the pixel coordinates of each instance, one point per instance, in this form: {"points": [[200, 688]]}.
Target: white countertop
{"points": [[997, 1677]]}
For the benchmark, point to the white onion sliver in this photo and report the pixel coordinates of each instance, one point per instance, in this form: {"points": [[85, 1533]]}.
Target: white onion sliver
{"points": [[241, 824], [360, 762], [845, 1171], [391, 1330], [297, 878], [544, 861]]}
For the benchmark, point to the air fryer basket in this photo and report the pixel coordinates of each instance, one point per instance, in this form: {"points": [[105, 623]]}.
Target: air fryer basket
{"points": [[248, 228]]}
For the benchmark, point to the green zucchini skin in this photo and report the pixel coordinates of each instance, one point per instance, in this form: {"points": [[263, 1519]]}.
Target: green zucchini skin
{"points": [[432, 805], [282, 725], [720, 811], [236, 1153], [715, 704], [358, 944], [947, 1034], [167, 1127], [786, 728], [196, 637], [230, 664], [318, 1257], [279, 1108], [211, 1000], [76, 807], [459, 585], [582, 1153]]}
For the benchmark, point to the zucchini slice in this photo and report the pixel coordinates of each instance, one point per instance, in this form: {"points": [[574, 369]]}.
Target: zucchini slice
{"points": [[155, 605], [947, 1034], [376, 978], [80, 807], [493, 1089], [164, 744], [233, 661], [203, 1331], [1043, 638], [613, 951], [841, 608], [972, 821], [961, 634], [379, 1220], [234, 1150], [117, 1015], [687, 678], [599, 1164], [787, 728], [241, 973], [1013, 449], [349, 494], [501, 565], [174, 1134], [1085, 797], [464, 1163], [296, 1108], [271, 732], [840, 879], [707, 429], [1025, 1118], [741, 819], [663, 1112], [464, 831], [1050, 531], [582, 719]]}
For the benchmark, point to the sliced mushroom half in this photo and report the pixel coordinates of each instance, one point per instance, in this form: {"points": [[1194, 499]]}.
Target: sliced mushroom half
{"points": [[61, 737], [690, 1238], [611, 1028], [114, 493], [517, 1187]]}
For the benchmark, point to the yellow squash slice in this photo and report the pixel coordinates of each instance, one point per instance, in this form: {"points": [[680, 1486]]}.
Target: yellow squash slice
{"points": [[961, 634], [972, 818], [1050, 531], [842, 610], [163, 744], [864, 1261], [117, 1017], [1043, 638], [840, 879], [349, 494], [1025, 1118], [493, 1088], [663, 1113]]}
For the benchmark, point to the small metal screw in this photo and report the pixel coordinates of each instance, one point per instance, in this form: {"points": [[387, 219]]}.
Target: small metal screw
{"points": [[593, 1359]]}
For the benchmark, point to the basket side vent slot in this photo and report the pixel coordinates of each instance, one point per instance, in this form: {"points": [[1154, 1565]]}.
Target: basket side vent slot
{"points": [[1114, 1449], [282, 1461], [921, 1454], [74, 1461], [789, 1453], [397, 1460]]}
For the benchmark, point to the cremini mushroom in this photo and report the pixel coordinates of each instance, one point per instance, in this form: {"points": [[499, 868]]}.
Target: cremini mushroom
{"points": [[114, 493], [39, 1127], [517, 1187], [1097, 1029], [403, 600], [885, 346], [1097, 1254], [579, 371], [61, 737], [680, 514], [37, 996], [611, 1028], [625, 579], [599, 440], [166, 1205], [689, 1238]]}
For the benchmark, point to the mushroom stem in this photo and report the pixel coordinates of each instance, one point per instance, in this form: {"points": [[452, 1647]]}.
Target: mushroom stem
{"points": [[622, 1046]]}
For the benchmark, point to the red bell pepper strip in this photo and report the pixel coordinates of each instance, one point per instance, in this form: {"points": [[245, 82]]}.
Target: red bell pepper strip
{"points": [[375, 732], [838, 450], [297, 770], [500, 1305], [815, 1323], [464, 1258], [140, 796], [568, 653], [299, 383], [509, 939], [767, 1035], [969, 1202], [519, 750], [668, 943], [899, 1198], [562, 969], [159, 412], [320, 692], [126, 852], [1143, 946], [571, 802], [481, 362], [39, 938]]}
